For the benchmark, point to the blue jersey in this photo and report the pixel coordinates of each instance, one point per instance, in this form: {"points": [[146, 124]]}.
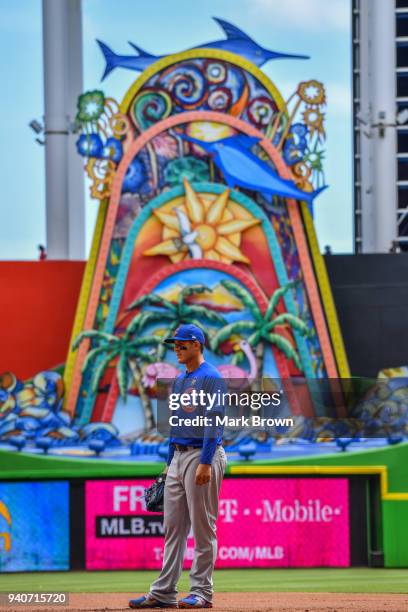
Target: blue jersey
{"points": [[207, 378]]}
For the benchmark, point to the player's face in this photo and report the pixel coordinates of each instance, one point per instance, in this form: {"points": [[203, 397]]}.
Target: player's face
{"points": [[186, 350]]}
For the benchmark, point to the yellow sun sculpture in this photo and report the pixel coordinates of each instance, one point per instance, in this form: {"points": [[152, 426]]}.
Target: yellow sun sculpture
{"points": [[202, 226]]}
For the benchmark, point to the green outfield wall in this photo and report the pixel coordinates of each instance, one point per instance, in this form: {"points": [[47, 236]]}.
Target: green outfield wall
{"points": [[388, 466]]}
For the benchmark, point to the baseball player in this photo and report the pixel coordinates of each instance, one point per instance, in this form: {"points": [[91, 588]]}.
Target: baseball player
{"points": [[195, 468]]}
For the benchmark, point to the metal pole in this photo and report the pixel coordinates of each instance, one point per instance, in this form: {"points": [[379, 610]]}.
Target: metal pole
{"points": [[368, 220], [76, 187], [382, 52], [64, 189]]}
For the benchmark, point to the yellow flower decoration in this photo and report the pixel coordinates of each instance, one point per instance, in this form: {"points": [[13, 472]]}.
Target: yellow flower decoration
{"points": [[312, 92], [202, 226], [101, 172], [314, 120], [301, 174]]}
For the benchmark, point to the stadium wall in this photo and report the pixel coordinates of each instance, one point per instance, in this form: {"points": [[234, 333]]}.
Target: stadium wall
{"points": [[371, 293], [388, 498], [38, 308]]}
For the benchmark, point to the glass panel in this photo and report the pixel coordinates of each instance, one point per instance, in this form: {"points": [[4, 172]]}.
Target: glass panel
{"points": [[357, 171], [403, 141], [402, 24], [401, 4], [356, 84], [402, 84], [403, 231], [402, 106], [356, 56], [357, 196], [356, 26], [357, 225], [402, 55], [402, 196], [356, 143], [402, 114], [403, 169]]}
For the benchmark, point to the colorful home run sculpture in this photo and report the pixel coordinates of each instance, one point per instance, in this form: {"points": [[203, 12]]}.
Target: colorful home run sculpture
{"points": [[206, 179]]}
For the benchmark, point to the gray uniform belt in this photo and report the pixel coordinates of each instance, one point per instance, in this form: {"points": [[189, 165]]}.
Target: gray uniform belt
{"points": [[182, 449]]}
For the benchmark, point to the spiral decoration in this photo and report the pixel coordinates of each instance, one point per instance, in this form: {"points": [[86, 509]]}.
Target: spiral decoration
{"points": [[218, 85], [215, 72], [220, 99], [119, 124], [187, 85], [261, 111], [149, 107]]}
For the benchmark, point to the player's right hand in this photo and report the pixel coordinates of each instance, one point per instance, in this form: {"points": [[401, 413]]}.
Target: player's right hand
{"points": [[203, 474]]}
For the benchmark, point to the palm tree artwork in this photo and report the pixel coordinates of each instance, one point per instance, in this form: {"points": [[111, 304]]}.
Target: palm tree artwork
{"points": [[264, 328], [130, 354], [174, 313]]}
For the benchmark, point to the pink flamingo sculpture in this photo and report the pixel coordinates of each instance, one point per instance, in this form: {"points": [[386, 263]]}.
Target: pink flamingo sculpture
{"points": [[160, 369], [229, 371]]}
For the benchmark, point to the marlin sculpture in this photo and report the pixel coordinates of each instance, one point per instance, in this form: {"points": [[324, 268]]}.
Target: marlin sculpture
{"points": [[242, 168], [236, 42]]}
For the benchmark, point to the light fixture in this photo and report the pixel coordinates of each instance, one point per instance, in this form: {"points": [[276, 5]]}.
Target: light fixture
{"points": [[36, 126]]}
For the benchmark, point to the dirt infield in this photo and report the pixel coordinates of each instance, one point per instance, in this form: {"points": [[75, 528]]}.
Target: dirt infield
{"points": [[255, 602]]}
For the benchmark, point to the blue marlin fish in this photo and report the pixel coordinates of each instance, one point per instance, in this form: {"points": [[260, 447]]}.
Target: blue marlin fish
{"points": [[242, 168], [236, 42]]}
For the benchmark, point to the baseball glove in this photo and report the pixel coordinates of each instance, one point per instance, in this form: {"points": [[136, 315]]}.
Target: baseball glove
{"points": [[154, 495]]}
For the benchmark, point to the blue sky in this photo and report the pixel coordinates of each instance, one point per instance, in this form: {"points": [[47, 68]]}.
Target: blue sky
{"points": [[319, 28]]}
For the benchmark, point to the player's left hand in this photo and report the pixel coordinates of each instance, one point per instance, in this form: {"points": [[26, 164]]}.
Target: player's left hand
{"points": [[203, 474]]}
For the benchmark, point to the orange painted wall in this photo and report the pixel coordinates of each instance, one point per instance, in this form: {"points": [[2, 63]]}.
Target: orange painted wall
{"points": [[37, 308]]}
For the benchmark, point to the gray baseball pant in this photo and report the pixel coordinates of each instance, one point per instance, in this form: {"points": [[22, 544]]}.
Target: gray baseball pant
{"points": [[189, 505]]}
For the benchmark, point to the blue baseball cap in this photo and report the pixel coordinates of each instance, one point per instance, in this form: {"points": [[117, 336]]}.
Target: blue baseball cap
{"points": [[187, 332]]}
